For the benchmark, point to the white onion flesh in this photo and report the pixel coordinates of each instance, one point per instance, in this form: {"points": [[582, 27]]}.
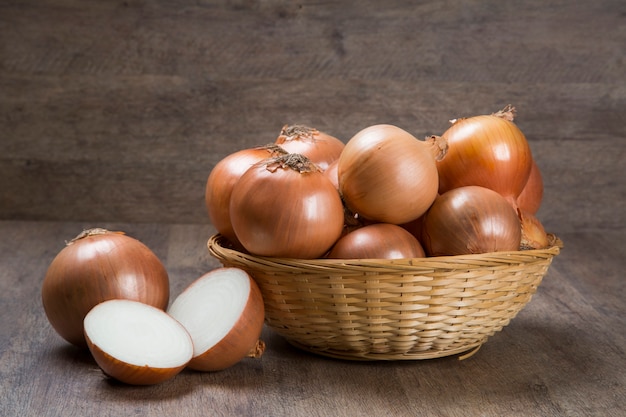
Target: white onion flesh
{"points": [[138, 334], [224, 314], [222, 298]]}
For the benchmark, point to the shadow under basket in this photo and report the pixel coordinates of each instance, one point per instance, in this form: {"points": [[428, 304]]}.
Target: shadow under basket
{"points": [[398, 309]]}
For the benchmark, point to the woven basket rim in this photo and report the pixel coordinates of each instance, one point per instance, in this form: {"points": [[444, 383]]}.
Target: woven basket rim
{"points": [[218, 250]]}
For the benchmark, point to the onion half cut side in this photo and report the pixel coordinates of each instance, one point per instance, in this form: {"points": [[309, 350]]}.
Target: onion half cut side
{"points": [[136, 343], [223, 312]]}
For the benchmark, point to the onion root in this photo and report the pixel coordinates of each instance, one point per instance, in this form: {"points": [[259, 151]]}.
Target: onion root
{"points": [[257, 351]]}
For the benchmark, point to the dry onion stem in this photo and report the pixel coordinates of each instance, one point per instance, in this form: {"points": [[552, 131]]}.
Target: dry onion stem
{"points": [[295, 161], [91, 232], [295, 132], [507, 113], [438, 146], [272, 149]]}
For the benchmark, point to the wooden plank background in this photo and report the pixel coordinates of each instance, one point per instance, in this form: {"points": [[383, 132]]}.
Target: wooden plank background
{"points": [[118, 110]]}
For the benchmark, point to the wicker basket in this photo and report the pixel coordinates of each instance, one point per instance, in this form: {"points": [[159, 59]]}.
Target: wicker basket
{"points": [[392, 309]]}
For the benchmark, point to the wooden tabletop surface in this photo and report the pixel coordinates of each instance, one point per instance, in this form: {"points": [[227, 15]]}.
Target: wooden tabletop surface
{"points": [[112, 115], [563, 355]]}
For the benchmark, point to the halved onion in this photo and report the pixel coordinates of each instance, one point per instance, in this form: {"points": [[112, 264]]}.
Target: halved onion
{"points": [[136, 343], [223, 312]]}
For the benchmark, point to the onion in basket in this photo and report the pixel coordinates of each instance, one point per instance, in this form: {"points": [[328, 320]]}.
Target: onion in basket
{"points": [[223, 312], [470, 219], [321, 148], [377, 241], [386, 175], [489, 151], [136, 343], [286, 207], [223, 176], [531, 196]]}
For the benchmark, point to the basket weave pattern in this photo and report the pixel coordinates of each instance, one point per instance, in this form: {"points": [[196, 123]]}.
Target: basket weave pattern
{"points": [[392, 309]]}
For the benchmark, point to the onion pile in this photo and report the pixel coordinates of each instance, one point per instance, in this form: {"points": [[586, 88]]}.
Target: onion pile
{"points": [[109, 292], [492, 152], [382, 195], [322, 197]]}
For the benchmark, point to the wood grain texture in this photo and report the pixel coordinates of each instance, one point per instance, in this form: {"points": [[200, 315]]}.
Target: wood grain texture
{"points": [[561, 356], [112, 114], [119, 110]]}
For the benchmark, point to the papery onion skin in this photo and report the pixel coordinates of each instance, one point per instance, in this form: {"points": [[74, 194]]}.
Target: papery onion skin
{"points": [[319, 147], [470, 220], [414, 227], [278, 210], [377, 241], [531, 196], [223, 177], [387, 175], [534, 235], [99, 265], [488, 151], [128, 373], [331, 173]]}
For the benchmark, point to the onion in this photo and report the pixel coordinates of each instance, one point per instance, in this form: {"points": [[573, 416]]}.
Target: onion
{"points": [[534, 235], [286, 207], [377, 241], [222, 179], [531, 196], [414, 227], [470, 219], [96, 266], [489, 151], [387, 175], [321, 148], [224, 314], [331, 173], [136, 343]]}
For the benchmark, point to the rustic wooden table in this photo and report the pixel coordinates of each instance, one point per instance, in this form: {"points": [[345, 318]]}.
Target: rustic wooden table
{"points": [[563, 355], [112, 114]]}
